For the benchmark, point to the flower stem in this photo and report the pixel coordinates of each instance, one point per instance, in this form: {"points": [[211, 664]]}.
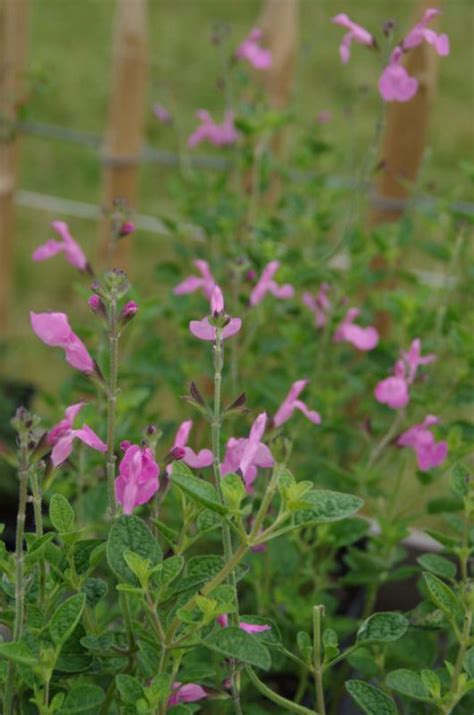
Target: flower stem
{"points": [[37, 497], [112, 403], [286, 705], [226, 535], [23, 469], [318, 668]]}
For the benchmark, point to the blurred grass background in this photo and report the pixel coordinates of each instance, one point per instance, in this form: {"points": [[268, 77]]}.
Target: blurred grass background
{"points": [[69, 71]]}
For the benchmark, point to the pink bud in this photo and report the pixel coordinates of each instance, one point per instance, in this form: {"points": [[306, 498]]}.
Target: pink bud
{"points": [[217, 301], [126, 228], [94, 303]]}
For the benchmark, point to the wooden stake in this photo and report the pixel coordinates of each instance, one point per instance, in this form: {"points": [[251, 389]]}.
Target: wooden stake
{"points": [[13, 50], [126, 114], [404, 138]]}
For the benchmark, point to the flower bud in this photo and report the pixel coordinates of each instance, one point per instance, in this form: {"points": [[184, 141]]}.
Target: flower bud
{"points": [[175, 455], [217, 301], [126, 228]]}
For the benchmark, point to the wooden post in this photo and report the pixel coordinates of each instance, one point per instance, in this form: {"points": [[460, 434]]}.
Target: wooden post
{"points": [[126, 114], [279, 24], [13, 44], [404, 137]]}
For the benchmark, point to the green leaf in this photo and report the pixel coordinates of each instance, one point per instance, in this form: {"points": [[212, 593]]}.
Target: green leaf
{"points": [[468, 662], [325, 506], [235, 643], [431, 682], [438, 565], [66, 617], [370, 699], [95, 590], [172, 567], [18, 653], [37, 549], [205, 567], [442, 596], [129, 533], [197, 489], [460, 477], [208, 520], [383, 628], [129, 688], [61, 513], [83, 699], [407, 682], [233, 490]]}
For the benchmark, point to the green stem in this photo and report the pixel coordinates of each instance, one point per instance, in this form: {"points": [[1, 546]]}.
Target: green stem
{"points": [[37, 497], [112, 404], [275, 698], [226, 535], [386, 439], [318, 668], [19, 570]]}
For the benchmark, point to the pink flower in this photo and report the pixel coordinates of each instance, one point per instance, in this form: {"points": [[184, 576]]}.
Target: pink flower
{"points": [[67, 245], [62, 436], [191, 284], [217, 134], [138, 478], [129, 310], [162, 114], [251, 51], [203, 458], [292, 403], [356, 34], [413, 359], [394, 391], [94, 303], [395, 84], [266, 284], [319, 305], [204, 330], [189, 693], [54, 330], [420, 33], [429, 452], [324, 117], [361, 338], [223, 621], [247, 455]]}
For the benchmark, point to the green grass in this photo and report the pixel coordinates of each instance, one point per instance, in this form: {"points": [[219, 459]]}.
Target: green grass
{"points": [[69, 70]]}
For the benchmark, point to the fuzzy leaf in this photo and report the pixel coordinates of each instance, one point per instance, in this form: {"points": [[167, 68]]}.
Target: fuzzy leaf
{"points": [[468, 662], [129, 533], [171, 569], [382, 627], [61, 513], [442, 596], [66, 617], [235, 643], [370, 699], [324, 506], [438, 565], [197, 489], [18, 653], [407, 682], [129, 688], [83, 699]]}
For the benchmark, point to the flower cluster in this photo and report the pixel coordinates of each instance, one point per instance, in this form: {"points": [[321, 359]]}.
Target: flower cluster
{"points": [[394, 391], [223, 134], [252, 51]]}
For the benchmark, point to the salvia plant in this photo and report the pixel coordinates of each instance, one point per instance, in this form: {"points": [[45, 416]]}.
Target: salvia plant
{"points": [[250, 572]]}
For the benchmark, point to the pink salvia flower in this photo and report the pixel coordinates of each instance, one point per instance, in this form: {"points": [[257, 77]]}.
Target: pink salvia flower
{"points": [[189, 693], [420, 33], [223, 621], [54, 330], [203, 329], [292, 403], [251, 51], [429, 453], [247, 455], [266, 284], [162, 114], [218, 134], [319, 305], [393, 391], [355, 33], [413, 359], [191, 284], [361, 338], [395, 84], [199, 460], [67, 245], [138, 478], [62, 436]]}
